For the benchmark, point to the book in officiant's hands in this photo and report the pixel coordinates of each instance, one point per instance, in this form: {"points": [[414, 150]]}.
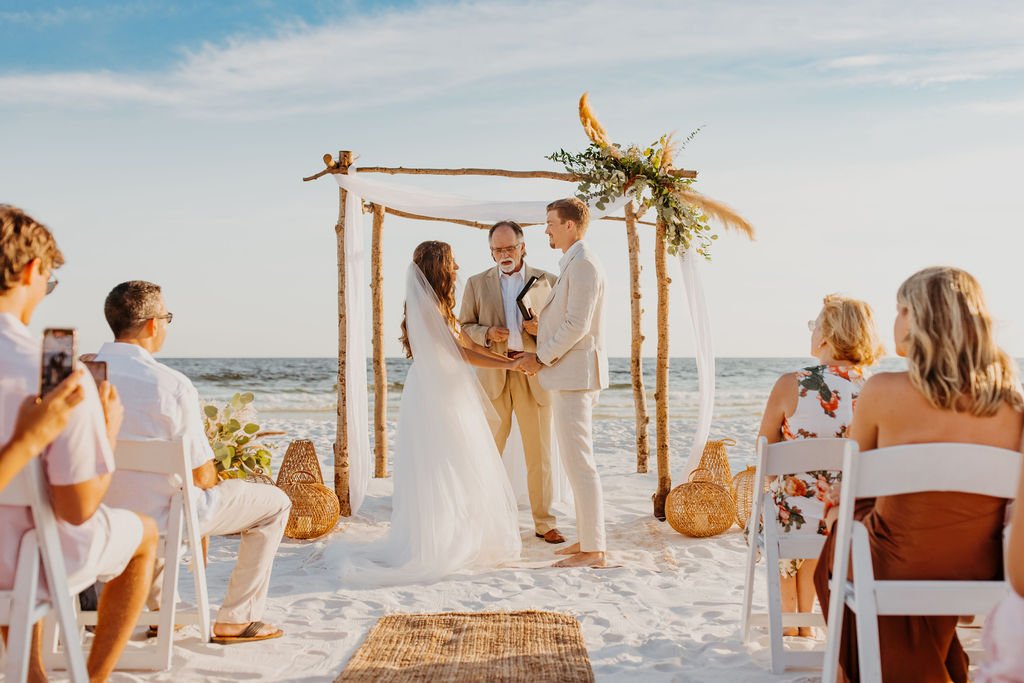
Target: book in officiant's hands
{"points": [[527, 313]]}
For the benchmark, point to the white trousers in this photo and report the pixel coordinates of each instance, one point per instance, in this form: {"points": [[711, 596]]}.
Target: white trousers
{"points": [[573, 413], [259, 512]]}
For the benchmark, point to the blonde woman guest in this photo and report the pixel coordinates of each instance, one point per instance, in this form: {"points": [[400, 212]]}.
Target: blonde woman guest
{"points": [[817, 403], [959, 387], [1004, 628]]}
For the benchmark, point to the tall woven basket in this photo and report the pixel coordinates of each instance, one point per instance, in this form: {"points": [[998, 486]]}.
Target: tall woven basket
{"points": [[715, 461], [315, 508], [743, 494]]}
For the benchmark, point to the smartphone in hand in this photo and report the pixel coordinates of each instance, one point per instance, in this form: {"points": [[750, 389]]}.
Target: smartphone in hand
{"points": [[98, 370], [60, 349]]}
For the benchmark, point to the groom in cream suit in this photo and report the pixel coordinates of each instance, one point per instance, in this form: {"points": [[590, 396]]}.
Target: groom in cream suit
{"points": [[491, 318], [572, 364]]}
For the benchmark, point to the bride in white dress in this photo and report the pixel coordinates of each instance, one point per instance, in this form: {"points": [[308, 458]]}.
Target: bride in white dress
{"points": [[453, 506]]}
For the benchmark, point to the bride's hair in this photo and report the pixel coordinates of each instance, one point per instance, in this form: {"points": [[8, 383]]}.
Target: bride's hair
{"points": [[437, 263]]}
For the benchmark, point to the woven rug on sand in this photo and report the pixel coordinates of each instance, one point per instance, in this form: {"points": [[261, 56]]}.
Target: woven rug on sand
{"points": [[520, 647]]}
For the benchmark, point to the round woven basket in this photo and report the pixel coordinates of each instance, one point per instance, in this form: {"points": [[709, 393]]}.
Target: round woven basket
{"points": [[743, 494], [315, 509], [701, 507]]}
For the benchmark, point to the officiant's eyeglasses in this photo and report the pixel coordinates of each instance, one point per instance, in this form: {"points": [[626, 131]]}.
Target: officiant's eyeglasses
{"points": [[499, 251]]}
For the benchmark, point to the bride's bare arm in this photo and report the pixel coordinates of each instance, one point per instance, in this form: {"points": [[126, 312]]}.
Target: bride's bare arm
{"points": [[488, 360]]}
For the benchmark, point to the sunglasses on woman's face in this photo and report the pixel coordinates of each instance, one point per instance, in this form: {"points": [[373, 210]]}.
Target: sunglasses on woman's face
{"points": [[51, 285], [812, 325]]}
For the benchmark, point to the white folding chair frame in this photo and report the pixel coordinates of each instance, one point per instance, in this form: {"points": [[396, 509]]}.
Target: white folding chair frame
{"points": [[168, 458], [775, 460], [952, 467], [40, 548]]}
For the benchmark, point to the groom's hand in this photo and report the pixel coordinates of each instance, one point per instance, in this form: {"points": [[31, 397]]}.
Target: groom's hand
{"points": [[529, 364]]}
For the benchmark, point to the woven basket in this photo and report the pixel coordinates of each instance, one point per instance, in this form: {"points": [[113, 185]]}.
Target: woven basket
{"points": [[715, 460], [300, 457], [743, 494], [701, 507], [315, 509]]}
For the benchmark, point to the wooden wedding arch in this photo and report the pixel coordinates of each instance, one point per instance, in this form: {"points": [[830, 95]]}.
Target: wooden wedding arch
{"points": [[631, 218]]}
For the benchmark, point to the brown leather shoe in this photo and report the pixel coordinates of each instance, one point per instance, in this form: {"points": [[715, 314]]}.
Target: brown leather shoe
{"points": [[552, 536]]}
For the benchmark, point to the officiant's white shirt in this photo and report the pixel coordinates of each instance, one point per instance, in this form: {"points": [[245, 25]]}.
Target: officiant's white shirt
{"points": [[159, 403], [511, 285]]}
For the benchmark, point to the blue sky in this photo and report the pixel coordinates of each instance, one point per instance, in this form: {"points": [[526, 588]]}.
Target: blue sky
{"points": [[166, 141]]}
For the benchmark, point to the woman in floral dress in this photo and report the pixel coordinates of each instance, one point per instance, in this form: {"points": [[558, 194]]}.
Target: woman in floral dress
{"points": [[817, 402]]}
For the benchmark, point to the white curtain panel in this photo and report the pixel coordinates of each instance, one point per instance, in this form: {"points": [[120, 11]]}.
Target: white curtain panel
{"points": [[357, 296], [689, 267], [439, 205]]}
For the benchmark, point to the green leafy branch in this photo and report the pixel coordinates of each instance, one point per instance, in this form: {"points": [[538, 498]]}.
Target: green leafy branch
{"points": [[608, 172]]}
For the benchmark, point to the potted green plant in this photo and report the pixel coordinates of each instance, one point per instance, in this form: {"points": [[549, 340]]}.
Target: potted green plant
{"points": [[240, 450]]}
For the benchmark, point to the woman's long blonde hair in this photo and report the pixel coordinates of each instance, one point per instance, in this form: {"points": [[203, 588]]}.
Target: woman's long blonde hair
{"points": [[952, 355], [437, 263]]}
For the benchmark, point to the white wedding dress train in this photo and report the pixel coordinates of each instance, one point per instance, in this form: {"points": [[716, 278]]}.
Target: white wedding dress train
{"points": [[453, 507]]}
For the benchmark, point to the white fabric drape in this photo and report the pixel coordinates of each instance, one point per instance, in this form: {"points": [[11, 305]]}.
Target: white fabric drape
{"points": [[360, 459], [435, 205], [689, 267]]}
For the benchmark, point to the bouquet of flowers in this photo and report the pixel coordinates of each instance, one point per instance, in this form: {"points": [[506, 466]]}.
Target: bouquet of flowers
{"points": [[239, 448]]}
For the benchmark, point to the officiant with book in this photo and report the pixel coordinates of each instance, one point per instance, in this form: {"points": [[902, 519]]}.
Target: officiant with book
{"points": [[499, 311]]}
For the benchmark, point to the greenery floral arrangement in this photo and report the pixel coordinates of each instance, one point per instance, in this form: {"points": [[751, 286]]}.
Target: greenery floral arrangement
{"points": [[238, 444], [645, 175]]}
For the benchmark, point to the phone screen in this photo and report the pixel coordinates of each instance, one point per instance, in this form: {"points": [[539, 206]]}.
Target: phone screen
{"points": [[98, 370], [58, 358]]}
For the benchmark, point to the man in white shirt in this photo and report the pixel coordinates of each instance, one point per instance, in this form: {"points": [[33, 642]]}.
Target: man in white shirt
{"points": [[98, 542], [491, 317], [161, 403]]}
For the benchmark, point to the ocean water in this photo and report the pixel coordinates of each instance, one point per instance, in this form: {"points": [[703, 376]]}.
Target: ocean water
{"points": [[297, 395]]}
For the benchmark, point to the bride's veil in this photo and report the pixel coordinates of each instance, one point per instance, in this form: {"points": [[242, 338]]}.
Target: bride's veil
{"points": [[452, 505], [437, 354]]}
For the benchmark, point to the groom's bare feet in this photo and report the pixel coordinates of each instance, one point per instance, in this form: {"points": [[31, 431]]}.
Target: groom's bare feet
{"points": [[594, 559], [571, 550]]}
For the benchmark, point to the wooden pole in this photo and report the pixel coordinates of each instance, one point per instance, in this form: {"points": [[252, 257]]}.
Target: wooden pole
{"points": [[401, 170], [643, 447], [341, 465], [380, 372], [549, 175], [661, 389]]}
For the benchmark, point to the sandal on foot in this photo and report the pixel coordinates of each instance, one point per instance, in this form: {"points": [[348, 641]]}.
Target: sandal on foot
{"points": [[250, 635]]}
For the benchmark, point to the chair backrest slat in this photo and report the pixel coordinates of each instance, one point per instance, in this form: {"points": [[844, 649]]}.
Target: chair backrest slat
{"points": [[158, 457], [805, 455], [967, 468]]}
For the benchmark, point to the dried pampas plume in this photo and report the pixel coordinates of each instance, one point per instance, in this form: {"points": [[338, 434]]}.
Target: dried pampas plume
{"points": [[592, 127], [716, 210], [668, 151]]}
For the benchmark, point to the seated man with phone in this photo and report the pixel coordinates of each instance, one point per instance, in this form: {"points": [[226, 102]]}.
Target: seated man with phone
{"points": [[98, 542], [162, 403]]}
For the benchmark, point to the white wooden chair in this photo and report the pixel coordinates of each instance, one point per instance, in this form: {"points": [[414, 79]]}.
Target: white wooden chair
{"points": [[966, 468], [775, 460], [20, 607], [168, 458]]}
